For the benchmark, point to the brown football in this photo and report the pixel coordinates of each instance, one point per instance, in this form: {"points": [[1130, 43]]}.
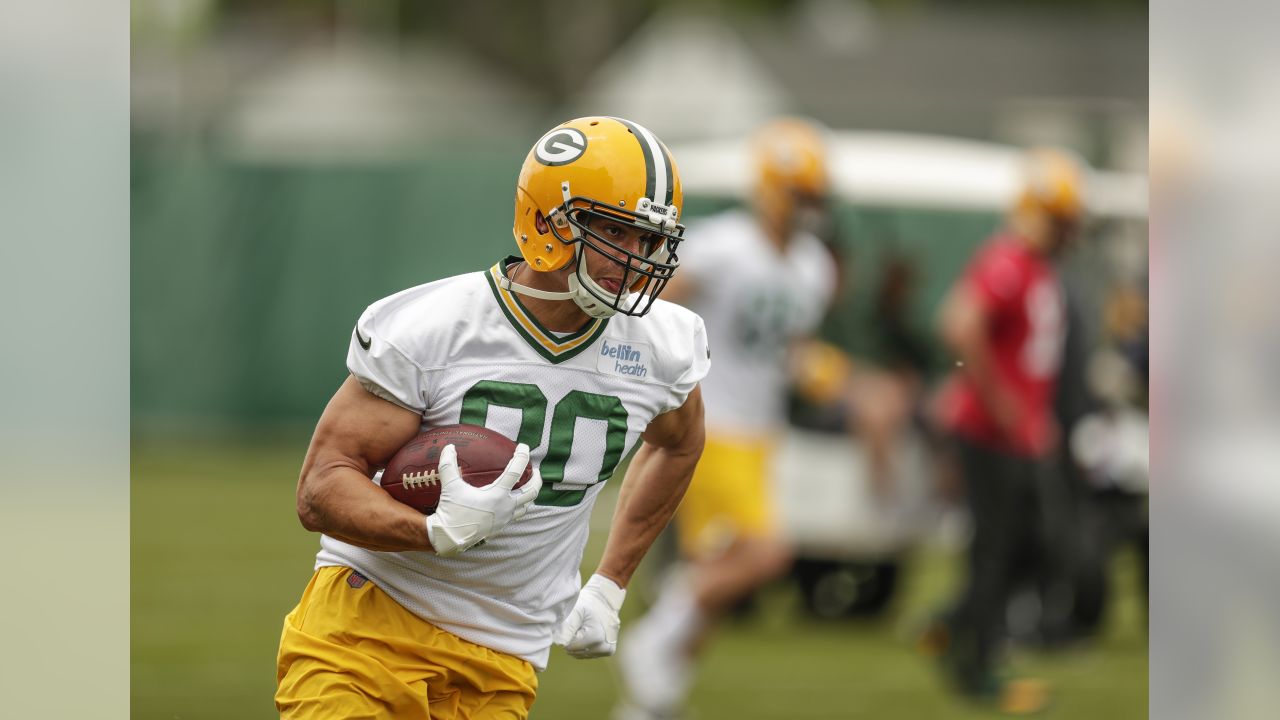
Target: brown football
{"points": [[412, 475]]}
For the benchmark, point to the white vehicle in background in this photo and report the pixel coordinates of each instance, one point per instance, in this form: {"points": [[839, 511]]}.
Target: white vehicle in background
{"points": [[850, 542]]}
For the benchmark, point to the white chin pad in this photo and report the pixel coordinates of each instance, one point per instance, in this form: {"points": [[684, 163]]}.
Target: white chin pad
{"points": [[589, 303]]}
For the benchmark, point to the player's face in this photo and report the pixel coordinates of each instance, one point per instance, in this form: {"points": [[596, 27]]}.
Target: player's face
{"points": [[809, 212], [606, 261], [1062, 231], [786, 210]]}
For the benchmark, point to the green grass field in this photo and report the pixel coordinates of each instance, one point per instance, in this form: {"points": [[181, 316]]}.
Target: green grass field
{"points": [[219, 558]]}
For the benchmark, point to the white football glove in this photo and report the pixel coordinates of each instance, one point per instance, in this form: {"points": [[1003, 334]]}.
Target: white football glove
{"points": [[467, 515], [591, 630]]}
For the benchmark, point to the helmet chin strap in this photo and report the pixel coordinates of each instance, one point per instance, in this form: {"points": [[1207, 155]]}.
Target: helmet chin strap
{"points": [[577, 292], [507, 284]]}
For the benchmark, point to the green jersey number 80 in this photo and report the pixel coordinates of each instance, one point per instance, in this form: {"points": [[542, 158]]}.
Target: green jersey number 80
{"points": [[532, 404]]}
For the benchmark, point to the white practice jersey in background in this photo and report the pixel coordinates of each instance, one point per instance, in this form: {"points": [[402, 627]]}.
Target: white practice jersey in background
{"points": [[754, 300], [464, 350]]}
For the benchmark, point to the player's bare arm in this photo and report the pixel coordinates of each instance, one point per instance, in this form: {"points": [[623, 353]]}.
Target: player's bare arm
{"points": [[654, 485], [357, 433], [964, 329]]}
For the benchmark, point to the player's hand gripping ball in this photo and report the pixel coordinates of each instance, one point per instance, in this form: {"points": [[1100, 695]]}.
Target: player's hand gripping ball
{"points": [[413, 477]]}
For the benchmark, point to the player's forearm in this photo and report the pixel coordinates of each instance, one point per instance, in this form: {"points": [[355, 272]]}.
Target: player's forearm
{"points": [[964, 330], [340, 502], [976, 362], [656, 482], [979, 365]]}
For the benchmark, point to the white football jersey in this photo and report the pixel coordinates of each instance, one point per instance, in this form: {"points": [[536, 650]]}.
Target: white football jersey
{"points": [[463, 349], [754, 300]]}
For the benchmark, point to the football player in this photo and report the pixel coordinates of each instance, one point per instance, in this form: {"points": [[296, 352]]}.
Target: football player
{"points": [[762, 280], [565, 348], [1004, 320]]}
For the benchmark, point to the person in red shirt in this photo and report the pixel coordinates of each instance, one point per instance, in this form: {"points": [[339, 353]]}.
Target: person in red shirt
{"points": [[1004, 321]]}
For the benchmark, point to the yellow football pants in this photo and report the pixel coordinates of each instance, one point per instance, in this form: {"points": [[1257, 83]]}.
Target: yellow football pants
{"points": [[729, 496], [349, 651]]}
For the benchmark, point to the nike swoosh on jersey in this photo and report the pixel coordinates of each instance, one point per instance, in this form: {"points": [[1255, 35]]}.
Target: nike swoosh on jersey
{"points": [[363, 343]]}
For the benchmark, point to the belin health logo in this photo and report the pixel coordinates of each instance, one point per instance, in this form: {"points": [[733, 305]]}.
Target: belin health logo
{"points": [[624, 358]]}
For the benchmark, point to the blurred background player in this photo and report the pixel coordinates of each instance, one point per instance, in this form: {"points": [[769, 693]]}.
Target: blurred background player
{"points": [[1004, 321], [761, 282]]}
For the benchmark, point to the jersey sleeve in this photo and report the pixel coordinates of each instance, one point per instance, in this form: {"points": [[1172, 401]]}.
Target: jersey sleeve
{"points": [[382, 368], [996, 277], [818, 275], [697, 363]]}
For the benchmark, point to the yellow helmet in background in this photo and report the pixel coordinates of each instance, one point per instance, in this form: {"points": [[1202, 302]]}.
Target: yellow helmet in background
{"points": [[1050, 200], [1052, 183], [791, 177], [603, 167]]}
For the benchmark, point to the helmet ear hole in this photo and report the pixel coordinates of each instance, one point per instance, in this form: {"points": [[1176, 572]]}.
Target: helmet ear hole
{"points": [[540, 223]]}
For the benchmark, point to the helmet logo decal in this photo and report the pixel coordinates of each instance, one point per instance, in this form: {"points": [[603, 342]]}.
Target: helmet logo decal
{"points": [[560, 146]]}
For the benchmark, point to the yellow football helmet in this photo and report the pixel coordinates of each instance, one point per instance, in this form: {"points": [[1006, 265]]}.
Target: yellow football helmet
{"points": [[599, 167], [1053, 183], [1050, 199], [791, 180]]}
